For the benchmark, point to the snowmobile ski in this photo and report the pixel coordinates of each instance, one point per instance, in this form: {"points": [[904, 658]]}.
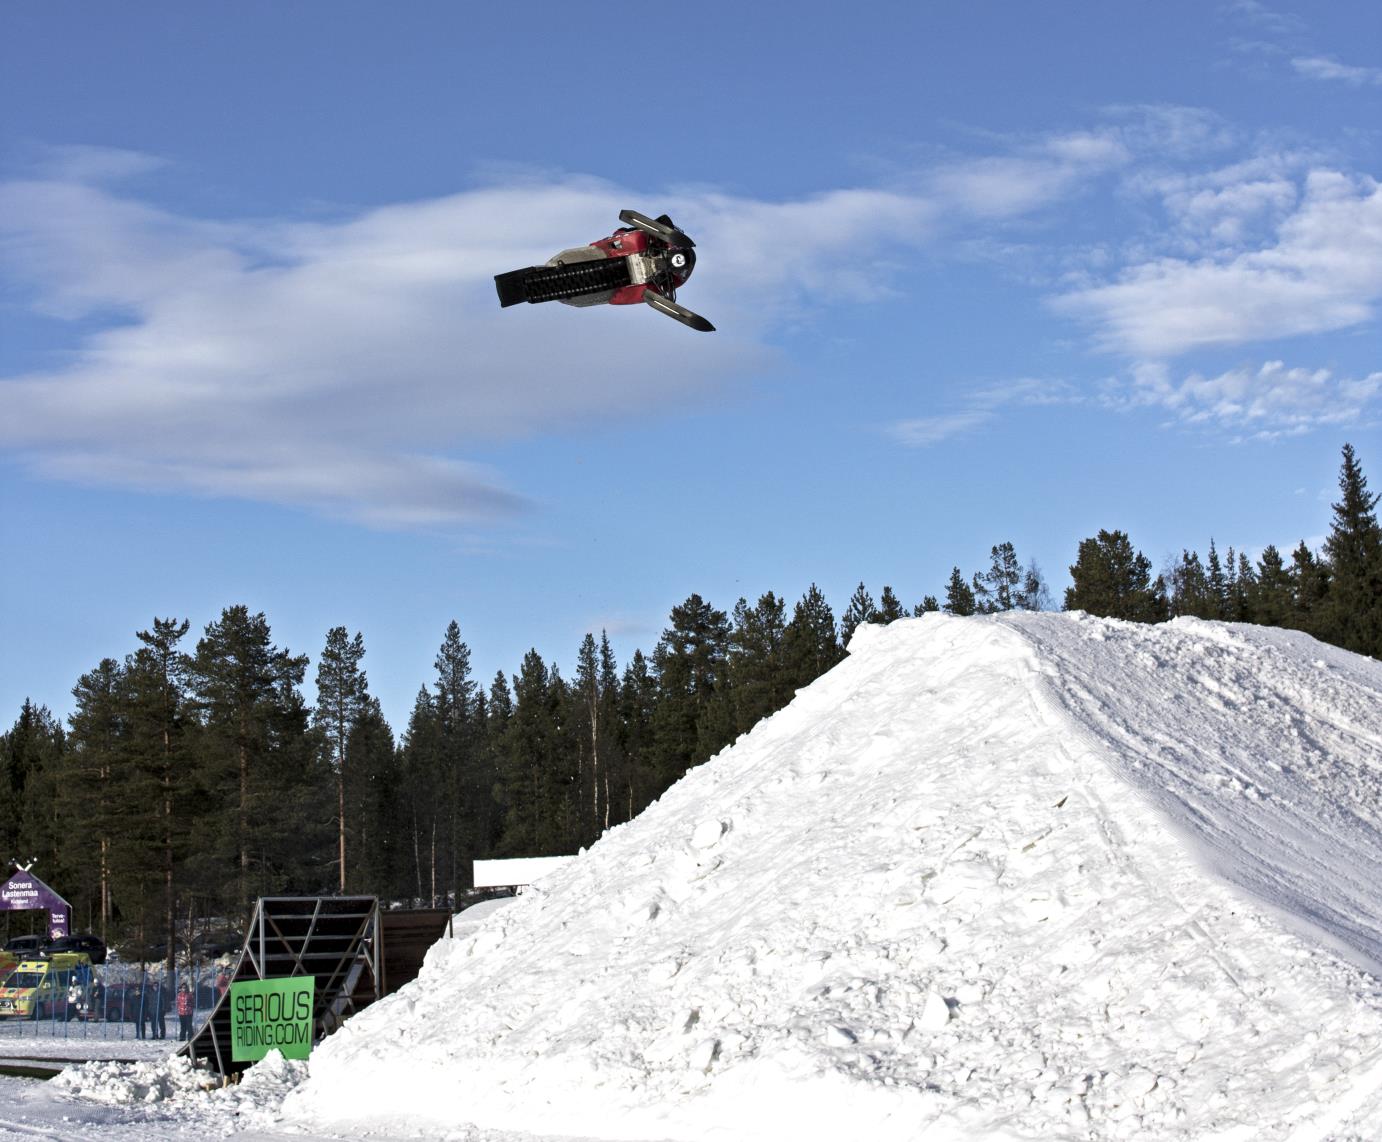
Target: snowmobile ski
{"points": [[680, 312]]}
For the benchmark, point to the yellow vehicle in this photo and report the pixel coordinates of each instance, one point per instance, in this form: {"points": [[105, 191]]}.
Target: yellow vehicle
{"points": [[38, 988]]}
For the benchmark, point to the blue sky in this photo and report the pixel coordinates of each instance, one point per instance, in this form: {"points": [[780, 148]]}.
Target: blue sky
{"points": [[981, 273]]}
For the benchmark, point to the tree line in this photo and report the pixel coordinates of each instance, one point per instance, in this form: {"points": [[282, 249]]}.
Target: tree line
{"points": [[193, 777]]}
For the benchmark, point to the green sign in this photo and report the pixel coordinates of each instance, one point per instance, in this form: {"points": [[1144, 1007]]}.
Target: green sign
{"points": [[271, 1014]]}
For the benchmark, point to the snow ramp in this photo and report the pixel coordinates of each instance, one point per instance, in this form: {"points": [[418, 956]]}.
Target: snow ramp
{"points": [[1010, 877]]}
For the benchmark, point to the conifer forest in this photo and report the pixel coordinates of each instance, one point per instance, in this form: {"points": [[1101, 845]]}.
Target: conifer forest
{"points": [[193, 776]]}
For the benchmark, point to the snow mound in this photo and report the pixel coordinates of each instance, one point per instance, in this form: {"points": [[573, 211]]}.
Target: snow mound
{"points": [[1024, 876], [185, 1094]]}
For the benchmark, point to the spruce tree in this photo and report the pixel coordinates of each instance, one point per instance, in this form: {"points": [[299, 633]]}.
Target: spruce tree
{"points": [[1352, 613], [928, 605]]}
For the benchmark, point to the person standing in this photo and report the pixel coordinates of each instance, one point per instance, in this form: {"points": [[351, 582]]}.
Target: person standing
{"points": [[159, 1000], [144, 1014], [185, 1007]]}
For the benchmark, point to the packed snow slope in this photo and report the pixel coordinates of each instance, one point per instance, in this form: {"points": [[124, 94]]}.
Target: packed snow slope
{"points": [[1019, 877]]}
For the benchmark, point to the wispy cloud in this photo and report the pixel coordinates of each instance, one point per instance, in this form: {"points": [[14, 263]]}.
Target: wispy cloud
{"points": [[1321, 67], [1265, 403], [1265, 18], [1323, 271], [982, 407]]}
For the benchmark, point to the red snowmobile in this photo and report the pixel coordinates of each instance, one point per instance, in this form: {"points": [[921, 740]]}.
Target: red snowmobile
{"points": [[648, 260]]}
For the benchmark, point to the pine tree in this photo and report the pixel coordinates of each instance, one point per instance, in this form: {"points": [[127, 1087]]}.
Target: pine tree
{"points": [[1190, 591], [374, 806], [30, 757], [256, 748], [1000, 587], [637, 706], [156, 677], [1034, 596], [589, 733], [1242, 591], [93, 770], [959, 596], [1352, 613], [613, 762], [690, 662], [463, 788], [498, 715], [1113, 580], [534, 783], [860, 610], [757, 661], [928, 605], [811, 645], [422, 778], [342, 696], [890, 608], [1309, 589], [1271, 598], [1218, 584]]}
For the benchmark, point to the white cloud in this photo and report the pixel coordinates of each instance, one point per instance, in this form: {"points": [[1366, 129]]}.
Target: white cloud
{"points": [[981, 407], [1320, 67], [1264, 403], [923, 431], [1323, 272], [81, 162], [346, 367]]}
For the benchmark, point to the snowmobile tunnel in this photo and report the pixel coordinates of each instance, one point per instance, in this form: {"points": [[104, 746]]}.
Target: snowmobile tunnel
{"points": [[341, 941]]}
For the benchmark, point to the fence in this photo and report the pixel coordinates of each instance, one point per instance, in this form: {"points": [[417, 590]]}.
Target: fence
{"points": [[121, 1001]]}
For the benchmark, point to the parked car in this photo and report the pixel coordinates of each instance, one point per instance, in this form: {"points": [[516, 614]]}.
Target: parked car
{"points": [[26, 946], [93, 946]]}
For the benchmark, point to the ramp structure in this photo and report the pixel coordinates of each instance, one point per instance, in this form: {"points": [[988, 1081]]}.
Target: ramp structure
{"points": [[335, 939]]}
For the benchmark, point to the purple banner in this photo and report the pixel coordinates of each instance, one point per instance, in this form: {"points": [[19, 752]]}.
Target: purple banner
{"points": [[24, 892]]}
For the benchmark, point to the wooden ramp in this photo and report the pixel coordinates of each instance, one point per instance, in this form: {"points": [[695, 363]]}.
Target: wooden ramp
{"points": [[355, 952], [335, 939]]}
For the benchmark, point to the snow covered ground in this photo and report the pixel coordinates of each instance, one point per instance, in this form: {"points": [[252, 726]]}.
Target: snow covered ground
{"points": [[1017, 877]]}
